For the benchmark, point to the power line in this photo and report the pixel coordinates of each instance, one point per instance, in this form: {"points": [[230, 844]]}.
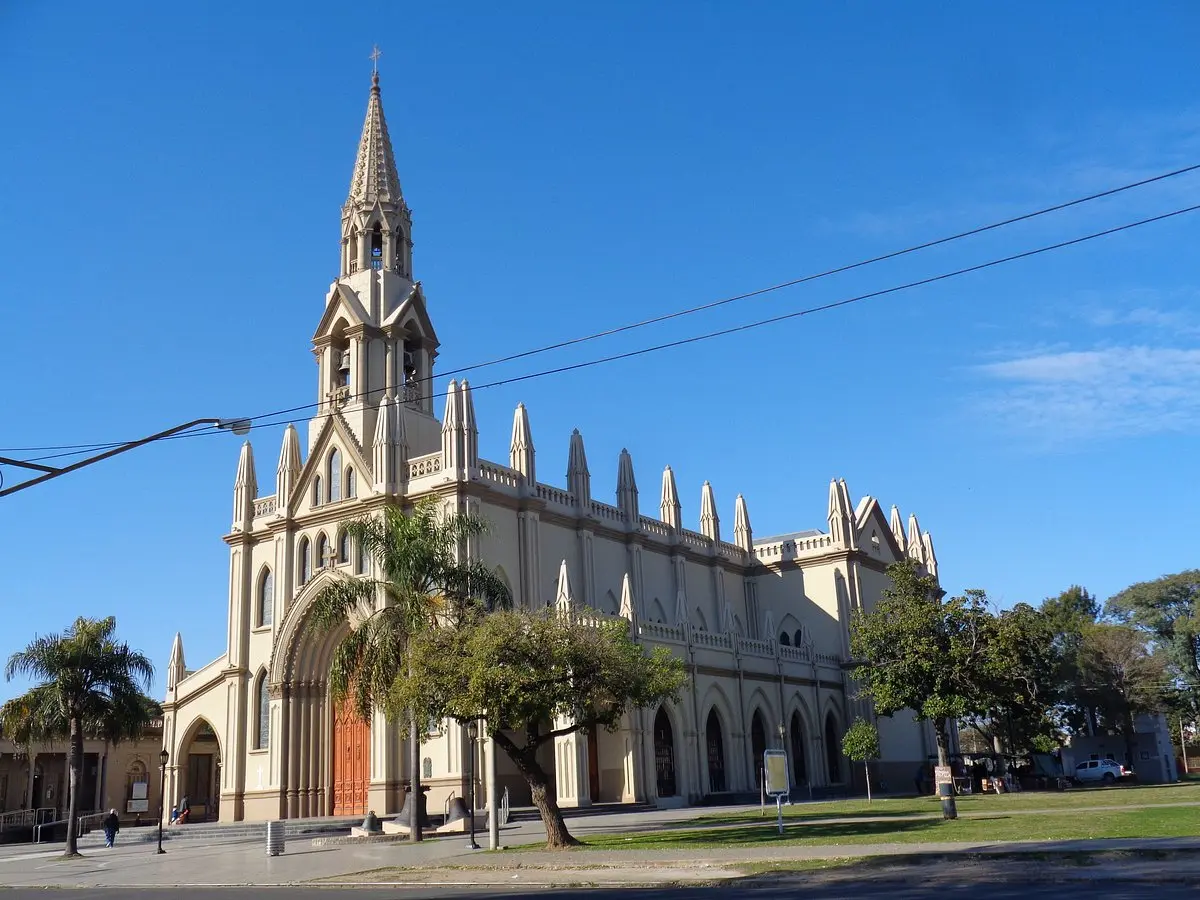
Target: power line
{"points": [[772, 320], [895, 254]]}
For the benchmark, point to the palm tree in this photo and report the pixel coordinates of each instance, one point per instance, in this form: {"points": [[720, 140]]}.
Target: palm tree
{"points": [[90, 684], [419, 579]]}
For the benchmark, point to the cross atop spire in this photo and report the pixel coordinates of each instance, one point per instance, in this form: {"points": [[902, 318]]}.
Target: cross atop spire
{"points": [[375, 54]]}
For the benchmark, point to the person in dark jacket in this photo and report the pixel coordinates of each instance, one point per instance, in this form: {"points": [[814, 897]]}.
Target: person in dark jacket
{"points": [[111, 826]]}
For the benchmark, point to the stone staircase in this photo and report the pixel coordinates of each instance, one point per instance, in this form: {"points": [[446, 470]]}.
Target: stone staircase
{"points": [[228, 831]]}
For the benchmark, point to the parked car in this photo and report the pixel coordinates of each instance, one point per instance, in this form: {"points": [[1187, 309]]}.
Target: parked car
{"points": [[1099, 771]]}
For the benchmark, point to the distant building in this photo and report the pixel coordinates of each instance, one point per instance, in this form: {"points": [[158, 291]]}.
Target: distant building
{"points": [[761, 623], [1151, 757]]}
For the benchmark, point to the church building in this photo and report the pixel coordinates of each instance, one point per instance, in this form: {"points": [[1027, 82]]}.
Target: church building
{"points": [[761, 623]]}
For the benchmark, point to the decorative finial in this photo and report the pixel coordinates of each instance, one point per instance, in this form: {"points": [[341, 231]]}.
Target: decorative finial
{"points": [[375, 54]]}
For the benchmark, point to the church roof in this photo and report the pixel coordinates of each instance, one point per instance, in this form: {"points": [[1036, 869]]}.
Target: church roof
{"points": [[375, 177]]}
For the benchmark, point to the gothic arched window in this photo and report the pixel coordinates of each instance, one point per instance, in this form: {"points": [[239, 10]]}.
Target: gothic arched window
{"points": [[323, 555], [784, 640], [266, 597], [377, 247], [799, 636], [360, 559], [317, 498], [343, 556], [351, 484], [305, 561], [263, 738], [335, 476]]}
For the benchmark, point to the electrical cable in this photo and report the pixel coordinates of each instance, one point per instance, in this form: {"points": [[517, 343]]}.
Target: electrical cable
{"points": [[712, 304], [772, 320]]}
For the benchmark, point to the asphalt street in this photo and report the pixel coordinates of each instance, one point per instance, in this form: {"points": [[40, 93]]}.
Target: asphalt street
{"points": [[758, 890]]}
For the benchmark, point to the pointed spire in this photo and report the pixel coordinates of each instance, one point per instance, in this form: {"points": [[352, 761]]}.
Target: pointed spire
{"points": [[931, 564], [898, 529], [176, 667], [287, 473], [375, 178], [681, 609], [742, 535], [564, 599], [769, 632], [520, 451], [710, 523], [628, 603], [383, 447], [579, 479], [469, 427], [841, 520], [452, 448], [245, 489], [627, 489], [669, 508], [916, 548]]}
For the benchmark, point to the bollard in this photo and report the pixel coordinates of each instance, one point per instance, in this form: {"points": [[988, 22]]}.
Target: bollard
{"points": [[275, 842]]}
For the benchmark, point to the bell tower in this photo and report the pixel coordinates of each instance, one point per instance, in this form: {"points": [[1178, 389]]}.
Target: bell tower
{"points": [[375, 341]]}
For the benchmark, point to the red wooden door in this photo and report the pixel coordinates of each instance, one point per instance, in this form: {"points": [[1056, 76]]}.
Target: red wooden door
{"points": [[351, 758]]}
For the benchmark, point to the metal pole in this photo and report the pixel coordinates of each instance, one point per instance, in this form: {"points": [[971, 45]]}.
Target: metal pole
{"points": [[471, 731], [162, 794], [1183, 746]]}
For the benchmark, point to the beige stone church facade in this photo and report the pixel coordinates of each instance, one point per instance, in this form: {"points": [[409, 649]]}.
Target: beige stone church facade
{"points": [[760, 623]]}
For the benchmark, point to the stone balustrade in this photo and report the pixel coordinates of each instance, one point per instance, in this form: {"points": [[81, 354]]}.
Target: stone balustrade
{"points": [[429, 464], [265, 506]]}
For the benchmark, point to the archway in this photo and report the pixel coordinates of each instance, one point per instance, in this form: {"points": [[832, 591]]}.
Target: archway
{"points": [[664, 754], [715, 740], [351, 761], [758, 746], [833, 750], [198, 781], [799, 765]]}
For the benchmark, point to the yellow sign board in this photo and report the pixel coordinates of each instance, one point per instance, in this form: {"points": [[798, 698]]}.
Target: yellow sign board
{"points": [[775, 765]]}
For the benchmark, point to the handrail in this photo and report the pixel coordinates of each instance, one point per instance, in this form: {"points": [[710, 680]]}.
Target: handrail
{"points": [[83, 820], [446, 807], [37, 832]]}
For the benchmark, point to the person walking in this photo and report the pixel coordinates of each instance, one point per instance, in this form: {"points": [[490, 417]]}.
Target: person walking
{"points": [[111, 826]]}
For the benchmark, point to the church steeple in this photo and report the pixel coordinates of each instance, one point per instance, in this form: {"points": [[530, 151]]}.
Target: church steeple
{"points": [[376, 223]]}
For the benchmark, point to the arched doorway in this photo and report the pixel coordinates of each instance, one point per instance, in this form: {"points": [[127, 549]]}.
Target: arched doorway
{"points": [[351, 762], [833, 749], [758, 746], [715, 740], [199, 775], [799, 767], [664, 754]]}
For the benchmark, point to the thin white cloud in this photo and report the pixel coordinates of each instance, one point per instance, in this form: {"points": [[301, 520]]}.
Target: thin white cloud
{"points": [[1101, 393]]}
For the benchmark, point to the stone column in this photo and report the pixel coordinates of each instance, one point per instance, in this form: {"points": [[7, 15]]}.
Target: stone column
{"points": [[571, 767], [292, 775], [29, 785], [302, 783]]}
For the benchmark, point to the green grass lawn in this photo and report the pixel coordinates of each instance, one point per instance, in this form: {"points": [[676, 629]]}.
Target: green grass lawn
{"points": [[1076, 798], [1132, 823]]}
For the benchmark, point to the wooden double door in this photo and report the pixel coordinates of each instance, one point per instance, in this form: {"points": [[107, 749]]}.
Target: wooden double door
{"points": [[351, 763]]}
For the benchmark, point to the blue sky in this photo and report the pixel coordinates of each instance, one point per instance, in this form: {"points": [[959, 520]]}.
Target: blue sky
{"points": [[171, 182]]}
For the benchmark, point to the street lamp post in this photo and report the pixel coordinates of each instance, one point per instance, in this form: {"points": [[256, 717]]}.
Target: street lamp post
{"points": [[237, 426], [472, 734], [162, 793]]}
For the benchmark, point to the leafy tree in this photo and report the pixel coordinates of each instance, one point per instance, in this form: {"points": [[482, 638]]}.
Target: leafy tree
{"points": [[419, 582], [1023, 664], [536, 676], [1121, 677], [919, 651], [90, 685], [1069, 615], [861, 744], [1168, 611]]}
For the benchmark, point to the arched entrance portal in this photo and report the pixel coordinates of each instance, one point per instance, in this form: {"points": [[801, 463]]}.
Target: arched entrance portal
{"points": [[351, 762], [664, 754], [758, 746], [833, 750], [799, 767], [716, 753], [199, 772]]}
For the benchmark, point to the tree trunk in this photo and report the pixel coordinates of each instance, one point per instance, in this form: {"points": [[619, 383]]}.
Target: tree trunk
{"points": [[945, 791], [525, 759], [75, 766]]}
